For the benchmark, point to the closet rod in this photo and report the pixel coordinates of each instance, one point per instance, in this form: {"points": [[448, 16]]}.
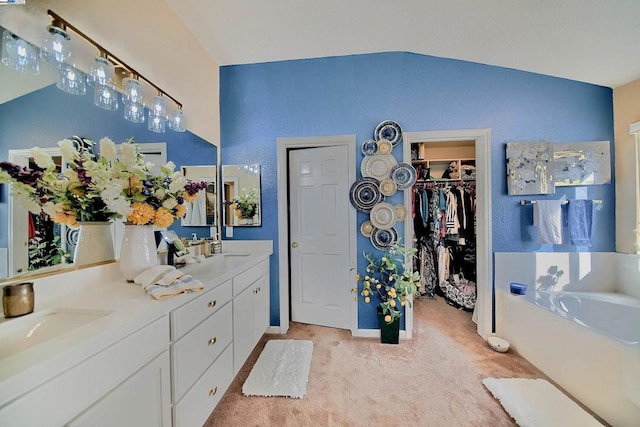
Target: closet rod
{"points": [[563, 202]]}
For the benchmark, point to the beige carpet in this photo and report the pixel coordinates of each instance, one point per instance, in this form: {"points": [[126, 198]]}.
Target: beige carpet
{"points": [[434, 379]]}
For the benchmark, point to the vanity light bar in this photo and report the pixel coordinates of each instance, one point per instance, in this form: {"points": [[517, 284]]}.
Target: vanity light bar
{"points": [[114, 59]]}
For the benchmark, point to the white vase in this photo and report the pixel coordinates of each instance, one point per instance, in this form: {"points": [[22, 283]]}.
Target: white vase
{"points": [[138, 251], [95, 243]]}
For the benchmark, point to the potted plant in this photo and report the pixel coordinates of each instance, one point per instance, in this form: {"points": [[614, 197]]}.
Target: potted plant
{"points": [[390, 279]]}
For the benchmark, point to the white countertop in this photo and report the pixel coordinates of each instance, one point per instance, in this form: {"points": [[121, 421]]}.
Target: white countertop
{"points": [[103, 288]]}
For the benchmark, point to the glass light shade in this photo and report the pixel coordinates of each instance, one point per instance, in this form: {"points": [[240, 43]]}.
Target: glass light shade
{"points": [[55, 45], [19, 54], [132, 91], [134, 112], [156, 123], [101, 73], [176, 121], [105, 96], [158, 107], [71, 80]]}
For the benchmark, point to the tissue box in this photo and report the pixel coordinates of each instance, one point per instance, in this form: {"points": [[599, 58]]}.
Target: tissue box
{"points": [[518, 288]]}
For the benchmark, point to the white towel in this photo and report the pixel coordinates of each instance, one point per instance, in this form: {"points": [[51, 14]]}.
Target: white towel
{"points": [[547, 216], [165, 280]]}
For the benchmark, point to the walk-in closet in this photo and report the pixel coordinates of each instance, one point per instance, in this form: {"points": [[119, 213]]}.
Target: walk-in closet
{"points": [[444, 220]]}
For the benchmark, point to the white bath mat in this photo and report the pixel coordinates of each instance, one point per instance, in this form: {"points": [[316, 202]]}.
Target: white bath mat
{"points": [[537, 403], [281, 370]]}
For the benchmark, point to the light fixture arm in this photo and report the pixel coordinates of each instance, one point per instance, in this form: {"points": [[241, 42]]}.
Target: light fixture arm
{"points": [[59, 21]]}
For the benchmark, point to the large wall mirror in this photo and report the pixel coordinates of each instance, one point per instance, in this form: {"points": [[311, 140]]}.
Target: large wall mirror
{"points": [[241, 195], [34, 112], [202, 211]]}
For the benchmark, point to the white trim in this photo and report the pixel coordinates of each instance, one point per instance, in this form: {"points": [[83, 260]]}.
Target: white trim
{"points": [[482, 138], [634, 128], [283, 145]]}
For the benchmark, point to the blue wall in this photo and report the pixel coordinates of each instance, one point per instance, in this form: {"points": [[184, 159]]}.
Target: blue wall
{"points": [[44, 117], [352, 94]]}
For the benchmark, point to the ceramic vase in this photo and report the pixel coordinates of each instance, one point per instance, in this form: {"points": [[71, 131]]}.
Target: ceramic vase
{"points": [[95, 243], [138, 251], [389, 332]]}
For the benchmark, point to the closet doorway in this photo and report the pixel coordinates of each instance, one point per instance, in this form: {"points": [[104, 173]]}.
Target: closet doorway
{"points": [[458, 161]]}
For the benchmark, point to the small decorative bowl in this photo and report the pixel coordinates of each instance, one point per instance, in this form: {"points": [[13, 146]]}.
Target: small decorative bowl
{"points": [[498, 344]]}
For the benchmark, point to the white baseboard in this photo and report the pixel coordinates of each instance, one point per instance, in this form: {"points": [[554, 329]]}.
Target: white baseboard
{"points": [[274, 330]]}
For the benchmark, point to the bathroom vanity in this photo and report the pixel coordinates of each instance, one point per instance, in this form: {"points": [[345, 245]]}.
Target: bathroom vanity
{"points": [[99, 351]]}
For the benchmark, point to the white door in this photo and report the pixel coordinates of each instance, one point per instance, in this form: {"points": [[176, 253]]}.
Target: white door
{"points": [[319, 236]]}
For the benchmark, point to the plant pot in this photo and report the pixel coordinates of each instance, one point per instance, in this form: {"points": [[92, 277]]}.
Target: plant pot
{"points": [[389, 332], [138, 251], [95, 243]]}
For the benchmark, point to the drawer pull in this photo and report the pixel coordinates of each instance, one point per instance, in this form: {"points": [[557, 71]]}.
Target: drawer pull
{"points": [[212, 303], [213, 340], [213, 391]]}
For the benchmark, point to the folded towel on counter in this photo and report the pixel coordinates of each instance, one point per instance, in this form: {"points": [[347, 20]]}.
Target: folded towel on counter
{"points": [[190, 259], [186, 283], [580, 222], [165, 280], [547, 216]]}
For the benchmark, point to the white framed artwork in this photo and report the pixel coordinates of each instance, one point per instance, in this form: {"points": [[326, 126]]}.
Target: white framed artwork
{"points": [[582, 163], [529, 168]]}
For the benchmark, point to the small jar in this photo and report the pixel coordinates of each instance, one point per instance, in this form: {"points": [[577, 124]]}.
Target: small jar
{"points": [[217, 247], [18, 299]]}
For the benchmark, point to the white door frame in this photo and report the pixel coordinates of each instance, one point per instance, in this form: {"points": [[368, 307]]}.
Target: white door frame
{"points": [[283, 146], [484, 254]]}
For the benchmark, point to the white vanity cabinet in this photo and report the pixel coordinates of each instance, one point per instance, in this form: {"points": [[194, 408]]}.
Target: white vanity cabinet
{"points": [[128, 380], [201, 350], [250, 311]]}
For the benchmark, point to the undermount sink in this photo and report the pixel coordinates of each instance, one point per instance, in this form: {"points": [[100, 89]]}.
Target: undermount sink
{"points": [[20, 334]]}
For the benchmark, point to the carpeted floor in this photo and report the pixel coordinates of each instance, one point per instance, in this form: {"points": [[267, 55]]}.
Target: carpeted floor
{"points": [[435, 379]]}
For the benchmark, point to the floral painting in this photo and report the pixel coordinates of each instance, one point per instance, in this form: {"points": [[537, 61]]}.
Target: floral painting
{"points": [[582, 163], [529, 168]]}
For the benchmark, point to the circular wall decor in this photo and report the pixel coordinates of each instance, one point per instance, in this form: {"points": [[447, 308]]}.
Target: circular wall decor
{"points": [[383, 239], [388, 130], [404, 175], [366, 228], [388, 187], [383, 216], [369, 147], [385, 146], [365, 194], [377, 166]]}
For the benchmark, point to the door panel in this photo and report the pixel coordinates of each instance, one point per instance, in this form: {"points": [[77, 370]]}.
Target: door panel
{"points": [[319, 252]]}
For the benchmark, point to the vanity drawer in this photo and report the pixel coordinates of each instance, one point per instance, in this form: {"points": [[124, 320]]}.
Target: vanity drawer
{"points": [[183, 319], [196, 406], [194, 352], [243, 280]]}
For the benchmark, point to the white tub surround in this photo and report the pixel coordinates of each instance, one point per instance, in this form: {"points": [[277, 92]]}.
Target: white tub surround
{"points": [[122, 354], [577, 325]]}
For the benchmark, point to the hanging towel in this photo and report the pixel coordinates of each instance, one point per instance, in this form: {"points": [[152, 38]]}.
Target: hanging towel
{"points": [[547, 216], [580, 222]]}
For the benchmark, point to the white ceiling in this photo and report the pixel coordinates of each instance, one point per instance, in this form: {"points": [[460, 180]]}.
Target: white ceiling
{"points": [[594, 41]]}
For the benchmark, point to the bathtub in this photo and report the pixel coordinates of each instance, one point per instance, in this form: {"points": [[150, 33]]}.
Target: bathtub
{"points": [[586, 342], [579, 324]]}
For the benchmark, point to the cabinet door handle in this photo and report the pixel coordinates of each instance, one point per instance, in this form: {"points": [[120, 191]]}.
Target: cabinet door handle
{"points": [[213, 391], [213, 340], [212, 303]]}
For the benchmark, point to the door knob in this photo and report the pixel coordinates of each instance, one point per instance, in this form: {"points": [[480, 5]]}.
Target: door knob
{"points": [[294, 245]]}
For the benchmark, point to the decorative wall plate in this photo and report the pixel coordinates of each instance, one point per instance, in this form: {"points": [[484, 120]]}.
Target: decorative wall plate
{"points": [[385, 146], [388, 187], [388, 130], [401, 212], [383, 239], [404, 175], [369, 147], [365, 194], [383, 216], [366, 228], [377, 166]]}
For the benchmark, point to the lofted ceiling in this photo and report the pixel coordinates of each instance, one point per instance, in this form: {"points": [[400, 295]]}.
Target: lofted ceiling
{"points": [[593, 41]]}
